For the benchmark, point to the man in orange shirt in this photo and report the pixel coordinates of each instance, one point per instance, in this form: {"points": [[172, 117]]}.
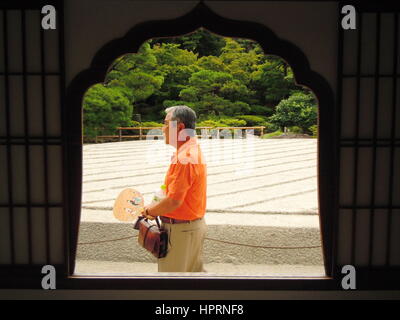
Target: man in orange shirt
{"points": [[183, 209]]}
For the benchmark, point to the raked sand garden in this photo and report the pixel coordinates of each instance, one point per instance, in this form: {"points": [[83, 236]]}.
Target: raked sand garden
{"points": [[260, 191]]}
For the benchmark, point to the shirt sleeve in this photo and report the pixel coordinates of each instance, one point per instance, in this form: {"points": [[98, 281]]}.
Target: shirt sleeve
{"points": [[181, 181]]}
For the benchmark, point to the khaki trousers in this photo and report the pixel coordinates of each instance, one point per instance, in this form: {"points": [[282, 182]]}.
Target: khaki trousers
{"points": [[185, 247]]}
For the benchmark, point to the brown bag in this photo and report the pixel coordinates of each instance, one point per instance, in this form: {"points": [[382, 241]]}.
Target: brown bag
{"points": [[152, 237]]}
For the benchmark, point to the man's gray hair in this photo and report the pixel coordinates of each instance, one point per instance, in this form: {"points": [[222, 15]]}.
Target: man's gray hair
{"points": [[183, 114]]}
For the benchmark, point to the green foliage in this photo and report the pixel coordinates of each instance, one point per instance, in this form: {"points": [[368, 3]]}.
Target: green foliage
{"points": [[227, 81], [271, 135], [221, 122], [176, 66], [146, 124], [151, 124], [261, 110], [239, 62], [135, 75], [273, 81], [137, 86], [314, 130], [295, 129], [210, 123], [104, 110], [207, 81], [201, 42], [270, 127], [233, 122], [211, 63], [252, 121], [135, 124], [169, 55], [298, 110], [215, 92]]}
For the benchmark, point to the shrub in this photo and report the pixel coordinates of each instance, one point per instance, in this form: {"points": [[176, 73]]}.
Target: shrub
{"points": [[146, 124], [270, 127], [104, 109], [252, 121], [314, 130], [151, 124], [298, 110], [135, 124], [221, 122], [295, 129], [273, 134], [233, 122], [210, 123]]}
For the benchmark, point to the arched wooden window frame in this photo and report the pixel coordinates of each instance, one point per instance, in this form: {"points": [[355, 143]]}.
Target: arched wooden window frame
{"points": [[202, 17]]}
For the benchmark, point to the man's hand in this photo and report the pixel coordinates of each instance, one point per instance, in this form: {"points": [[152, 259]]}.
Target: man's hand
{"points": [[146, 214], [166, 205]]}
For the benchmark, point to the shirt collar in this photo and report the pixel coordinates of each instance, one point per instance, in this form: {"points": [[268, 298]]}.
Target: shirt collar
{"points": [[186, 146]]}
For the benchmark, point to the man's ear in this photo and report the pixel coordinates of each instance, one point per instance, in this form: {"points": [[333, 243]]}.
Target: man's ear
{"points": [[181, 126]]}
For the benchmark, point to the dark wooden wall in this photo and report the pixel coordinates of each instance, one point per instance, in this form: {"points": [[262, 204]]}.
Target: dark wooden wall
{"points": [[362, 70]]}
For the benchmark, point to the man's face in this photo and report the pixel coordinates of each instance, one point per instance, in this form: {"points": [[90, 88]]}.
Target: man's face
{"points": [[171, 129], [167, 127]]}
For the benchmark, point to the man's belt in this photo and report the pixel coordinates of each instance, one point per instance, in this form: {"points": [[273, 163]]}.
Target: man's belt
{"points": [[176, 221]]}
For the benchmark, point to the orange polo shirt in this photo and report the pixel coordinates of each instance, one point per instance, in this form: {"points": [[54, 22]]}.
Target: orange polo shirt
{"points": [[186, 180]]}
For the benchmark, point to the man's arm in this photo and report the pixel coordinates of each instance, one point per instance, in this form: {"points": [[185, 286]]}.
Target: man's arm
{"points": [[164, 206], [177, 189]]}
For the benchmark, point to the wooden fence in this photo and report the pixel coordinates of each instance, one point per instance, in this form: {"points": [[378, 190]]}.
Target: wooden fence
{"points": [[141, 135]]}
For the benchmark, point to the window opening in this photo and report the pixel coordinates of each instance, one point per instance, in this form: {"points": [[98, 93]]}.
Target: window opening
{"points": [[257, 129]]}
